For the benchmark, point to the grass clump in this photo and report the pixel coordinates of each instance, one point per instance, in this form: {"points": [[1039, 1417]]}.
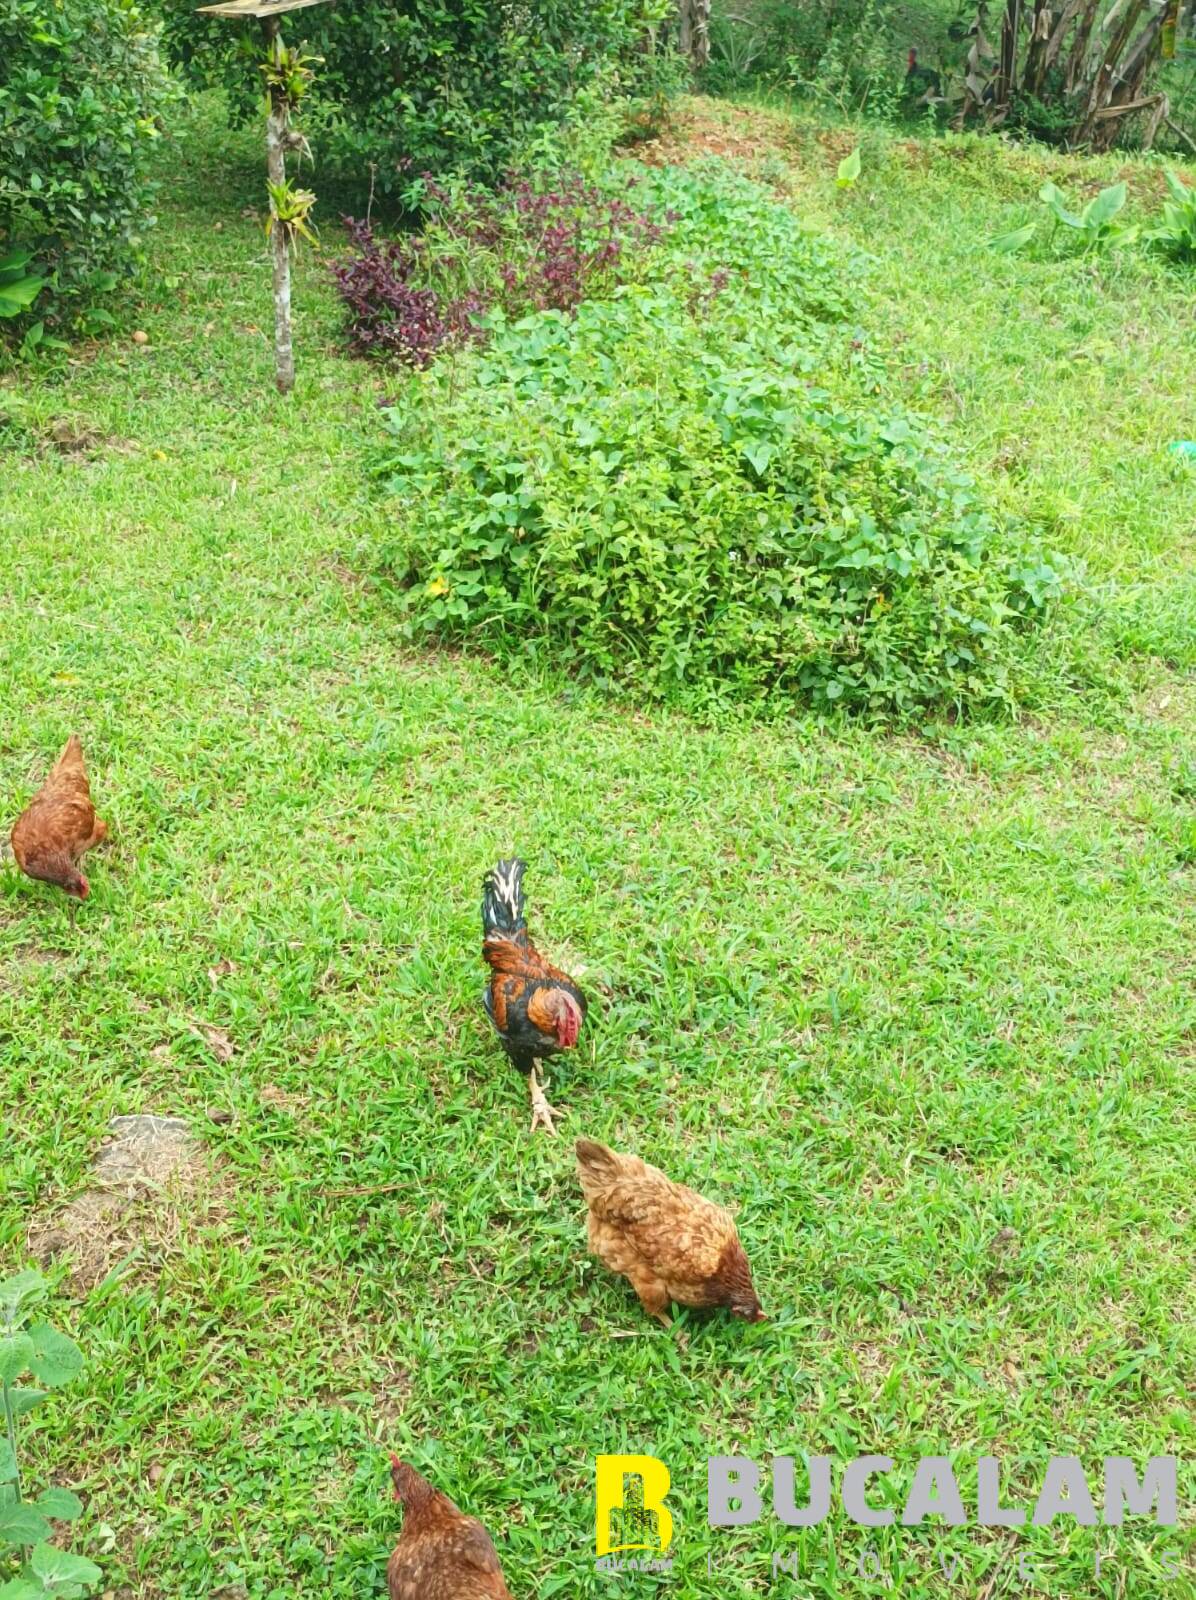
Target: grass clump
{"points": [[690, 493]]}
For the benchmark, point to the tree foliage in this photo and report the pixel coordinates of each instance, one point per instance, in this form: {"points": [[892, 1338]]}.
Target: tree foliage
{"points": [[81, 92], [415, 85]]}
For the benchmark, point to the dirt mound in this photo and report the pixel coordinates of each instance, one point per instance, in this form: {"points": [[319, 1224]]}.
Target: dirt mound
{"points": [[148, 1172]]}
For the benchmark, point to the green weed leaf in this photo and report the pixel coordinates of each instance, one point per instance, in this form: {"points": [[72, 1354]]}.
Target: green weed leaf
{"points": [[57, 1568], [22, 1589], [19, 296], [24, 1400], [22, 1524], [1051, 195], [1007, 243], [15, 1355], [12, 266], [60, 1505], [55, 1359], [20, 1288], [1101, 211]]}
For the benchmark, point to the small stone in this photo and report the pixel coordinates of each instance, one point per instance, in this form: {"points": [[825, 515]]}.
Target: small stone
{"points": [[140, 337]]}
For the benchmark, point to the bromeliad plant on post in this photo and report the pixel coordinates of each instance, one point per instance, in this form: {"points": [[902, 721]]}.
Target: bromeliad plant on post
{"points": [[287, 75], [28, 1345]]}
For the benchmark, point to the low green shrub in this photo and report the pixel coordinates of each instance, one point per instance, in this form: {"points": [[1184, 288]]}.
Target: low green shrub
{"points": [[687, 493], [81, 89]]}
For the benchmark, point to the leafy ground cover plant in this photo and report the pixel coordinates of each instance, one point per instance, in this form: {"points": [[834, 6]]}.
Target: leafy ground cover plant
{"points": [[526, 247], [692, 507], [29, 1345]]}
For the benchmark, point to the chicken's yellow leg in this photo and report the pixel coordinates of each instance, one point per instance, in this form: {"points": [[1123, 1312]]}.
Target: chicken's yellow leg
{"points": [[542, 1112]]}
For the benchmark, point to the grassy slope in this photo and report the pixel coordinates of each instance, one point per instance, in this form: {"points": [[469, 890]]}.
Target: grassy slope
{"points": [[920, 1007]]}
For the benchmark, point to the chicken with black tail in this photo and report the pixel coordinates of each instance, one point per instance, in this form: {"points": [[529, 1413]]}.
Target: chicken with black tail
{"points": [[537, 1010]]}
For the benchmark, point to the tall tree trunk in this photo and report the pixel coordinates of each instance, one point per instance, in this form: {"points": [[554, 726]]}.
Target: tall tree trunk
{"points": [[1005, 82], [1055, 43], [277, 119], [1079, 47], [1129, 84], [694, 32], [1100, 92], [1040, 38]]}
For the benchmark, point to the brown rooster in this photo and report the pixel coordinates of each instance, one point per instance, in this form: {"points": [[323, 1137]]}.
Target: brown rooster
{"points": [[59, 825], [667, 1241], [536, 1009], [442, 1554]]}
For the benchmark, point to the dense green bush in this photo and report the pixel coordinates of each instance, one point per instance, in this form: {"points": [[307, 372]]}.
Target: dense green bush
{"points": [[686, 491], [81, 88], [439, 85]]}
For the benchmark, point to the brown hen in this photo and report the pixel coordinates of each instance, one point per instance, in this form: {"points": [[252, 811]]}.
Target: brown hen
{"points": [[442, 1554], [59, 825], [668, 1242]]}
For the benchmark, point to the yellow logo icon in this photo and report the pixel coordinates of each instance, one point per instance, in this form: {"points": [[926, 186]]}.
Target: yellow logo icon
{"points": [[631, 1513]]}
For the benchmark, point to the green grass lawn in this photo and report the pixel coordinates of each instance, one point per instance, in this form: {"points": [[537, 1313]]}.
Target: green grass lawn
{"points": [[918, 1004]]}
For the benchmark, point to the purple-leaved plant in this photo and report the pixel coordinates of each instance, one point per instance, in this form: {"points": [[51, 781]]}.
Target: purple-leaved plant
{"points": [[521, 249]]}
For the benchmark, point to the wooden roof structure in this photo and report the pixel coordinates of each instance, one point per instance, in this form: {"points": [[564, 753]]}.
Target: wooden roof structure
{"points": [[259, 9]]}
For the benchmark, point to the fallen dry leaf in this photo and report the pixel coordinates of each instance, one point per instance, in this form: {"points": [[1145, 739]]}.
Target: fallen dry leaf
{"points": [[222, 969], [271, 1095], [217, 1041]]}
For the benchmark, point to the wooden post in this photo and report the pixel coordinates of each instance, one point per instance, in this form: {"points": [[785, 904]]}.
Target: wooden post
{"points": [[279, 139], [277, 121]]}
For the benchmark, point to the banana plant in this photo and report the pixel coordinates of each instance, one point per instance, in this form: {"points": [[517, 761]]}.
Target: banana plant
{"points": [[30, 1346]]}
